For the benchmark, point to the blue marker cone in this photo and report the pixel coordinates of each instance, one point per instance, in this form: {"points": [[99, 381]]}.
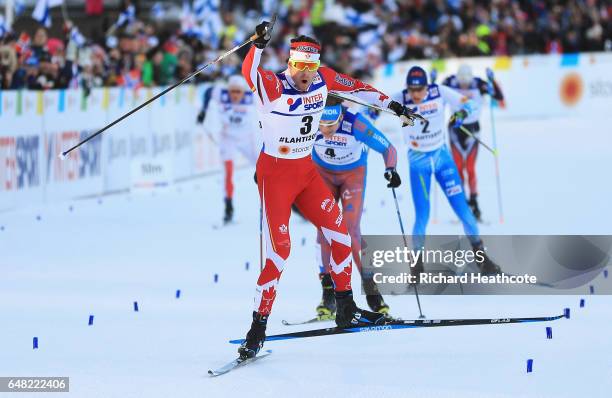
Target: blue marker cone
{"points": [[548, 332], [135, 306], [581, 303], [38, 218], [99, 201], [70, 208], [246, 266], [216, 278], [303, 241], [35, 343], [592, 289], [566, 313], [605, 273], [90, 320], [529, 365], [2, 228], [178, 293]]}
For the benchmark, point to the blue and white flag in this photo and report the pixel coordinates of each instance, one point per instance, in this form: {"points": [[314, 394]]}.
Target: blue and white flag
{"points": [[19, 7], [42, 11], [127, 16], [3, 28], [157, 11], [77, 37], [204, 9]]}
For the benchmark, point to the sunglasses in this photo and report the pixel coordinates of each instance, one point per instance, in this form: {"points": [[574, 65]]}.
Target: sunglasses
{"points": [[305, 65]]}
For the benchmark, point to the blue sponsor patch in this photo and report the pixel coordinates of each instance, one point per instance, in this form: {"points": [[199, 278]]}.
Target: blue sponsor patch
{"points": [[331, 113]]}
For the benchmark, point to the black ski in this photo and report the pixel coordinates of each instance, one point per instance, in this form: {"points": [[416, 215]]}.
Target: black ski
{"points": [[403, 324], [236, 363]]}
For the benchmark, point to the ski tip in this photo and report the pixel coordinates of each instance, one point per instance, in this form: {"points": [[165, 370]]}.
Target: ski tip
{"points": [[284, 322]]}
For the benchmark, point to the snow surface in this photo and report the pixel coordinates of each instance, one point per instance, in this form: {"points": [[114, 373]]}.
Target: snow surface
{"points": [[104, 254]]}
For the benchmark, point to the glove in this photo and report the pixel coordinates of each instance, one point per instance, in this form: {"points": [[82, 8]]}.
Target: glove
{"points": [[405, 114], [490, 75], [255, 177], [457, 118], [393, 178], [263, 32], [201, 117]]}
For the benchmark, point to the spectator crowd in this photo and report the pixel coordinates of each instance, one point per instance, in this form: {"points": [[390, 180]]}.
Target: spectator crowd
{"points": [[146, 47]]}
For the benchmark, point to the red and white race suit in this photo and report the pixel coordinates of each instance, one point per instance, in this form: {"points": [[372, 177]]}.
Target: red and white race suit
{"points": [[286, 174]]}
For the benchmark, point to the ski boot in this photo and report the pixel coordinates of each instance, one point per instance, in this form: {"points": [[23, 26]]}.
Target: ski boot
{"points": [[229, 211], [255, 337], [348, 314], [487, 266], [373, 297], [473, 203], [326, 310]]}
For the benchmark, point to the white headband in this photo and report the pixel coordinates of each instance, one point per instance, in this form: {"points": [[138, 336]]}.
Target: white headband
{"points": [[303, 56]]}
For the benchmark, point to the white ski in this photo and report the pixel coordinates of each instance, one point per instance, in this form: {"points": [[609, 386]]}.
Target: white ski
{"points": [[236, 363]]}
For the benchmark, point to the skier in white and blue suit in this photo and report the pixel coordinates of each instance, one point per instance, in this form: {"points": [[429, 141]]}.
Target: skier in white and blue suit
{"points": [[428, 154]]}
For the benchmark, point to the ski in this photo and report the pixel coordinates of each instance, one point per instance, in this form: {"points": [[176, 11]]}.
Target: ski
{"points": [[312, 320], [236, 363], [403, 324]]}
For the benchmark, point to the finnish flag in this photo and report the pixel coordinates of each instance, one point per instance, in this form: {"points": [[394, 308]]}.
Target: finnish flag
{"points": [[42, 12], [127, 16]]}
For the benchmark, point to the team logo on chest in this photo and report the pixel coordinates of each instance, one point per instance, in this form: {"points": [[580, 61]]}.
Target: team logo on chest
{"points": [[293, 105], [428, 108], [310, 102]]}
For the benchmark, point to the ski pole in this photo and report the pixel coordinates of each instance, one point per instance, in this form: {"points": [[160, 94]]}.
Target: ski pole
{"points": [[376, 107], [497, 175], [175, 85], [468, 132], [399, 217]]}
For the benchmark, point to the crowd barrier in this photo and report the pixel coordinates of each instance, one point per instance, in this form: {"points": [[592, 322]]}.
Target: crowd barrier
{"points": [[156, 146]]}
